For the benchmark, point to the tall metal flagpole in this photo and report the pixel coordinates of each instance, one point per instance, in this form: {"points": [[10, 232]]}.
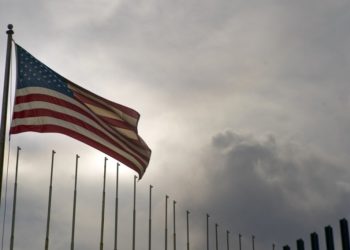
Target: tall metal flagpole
{"points": [[5, 95], [188, 230], [103, 204], [216, 236], [49, 205], [208, 231], [14, 203], [174, 223], [134, 216], [116, 209], [166, 222], [74, 201], [150, 218]]}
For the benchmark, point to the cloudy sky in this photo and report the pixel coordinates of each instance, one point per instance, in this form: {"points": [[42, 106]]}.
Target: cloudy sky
{"points": [[243, 103]]}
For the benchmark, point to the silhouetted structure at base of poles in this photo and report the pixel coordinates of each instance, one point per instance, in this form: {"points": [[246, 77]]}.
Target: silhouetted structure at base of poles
{"points": [[329, 237], [240, 241], [300, 244], [344, 232], [253, 242], [228, 239], [314, 241]]}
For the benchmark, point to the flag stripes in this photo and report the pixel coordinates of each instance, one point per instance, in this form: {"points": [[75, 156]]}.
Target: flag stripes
{"points": [[48, 103]]}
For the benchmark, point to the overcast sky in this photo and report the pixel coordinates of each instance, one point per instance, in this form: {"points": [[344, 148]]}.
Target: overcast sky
{"points": [[245, 105]]}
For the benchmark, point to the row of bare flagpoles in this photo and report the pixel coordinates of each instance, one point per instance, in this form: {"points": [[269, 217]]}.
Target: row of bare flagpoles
{"points": [[12, 239], [116, 214]]}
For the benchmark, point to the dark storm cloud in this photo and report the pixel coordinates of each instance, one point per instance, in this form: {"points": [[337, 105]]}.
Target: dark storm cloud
{"points": [[277, 191], [192, 68]]}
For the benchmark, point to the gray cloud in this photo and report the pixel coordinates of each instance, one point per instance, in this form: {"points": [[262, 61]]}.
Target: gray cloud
{"points": [[277, 191], [193, 68]]}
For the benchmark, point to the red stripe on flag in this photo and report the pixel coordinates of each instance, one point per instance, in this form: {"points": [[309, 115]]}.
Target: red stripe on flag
{"points": [[122, 121], [83, 93], [51, 99], [118, 123], [77, 136], [80, 123], [66, 104]]}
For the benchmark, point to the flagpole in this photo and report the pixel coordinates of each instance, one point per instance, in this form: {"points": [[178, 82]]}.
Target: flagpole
{"points": [[166, 222], [188, 230], [174, 223], [150, 217], [208, 231], [14, 203], [49, 205], [116, 209], [216, 237], [103, 204], [134, 216], [74, 201], [5, 95]]}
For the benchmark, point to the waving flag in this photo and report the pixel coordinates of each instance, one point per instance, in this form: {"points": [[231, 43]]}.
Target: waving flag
{"points": [[48, 103]]}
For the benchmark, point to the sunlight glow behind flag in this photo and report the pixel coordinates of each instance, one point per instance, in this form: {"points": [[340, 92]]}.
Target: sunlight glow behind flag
{"points": [[48, 103]]}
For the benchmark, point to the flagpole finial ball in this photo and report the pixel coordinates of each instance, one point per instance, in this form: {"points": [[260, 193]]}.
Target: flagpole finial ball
{"points": [[9, 31]]}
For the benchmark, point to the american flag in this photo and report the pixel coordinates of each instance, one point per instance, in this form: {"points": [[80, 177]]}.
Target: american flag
{"points": [[46, 102]]}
